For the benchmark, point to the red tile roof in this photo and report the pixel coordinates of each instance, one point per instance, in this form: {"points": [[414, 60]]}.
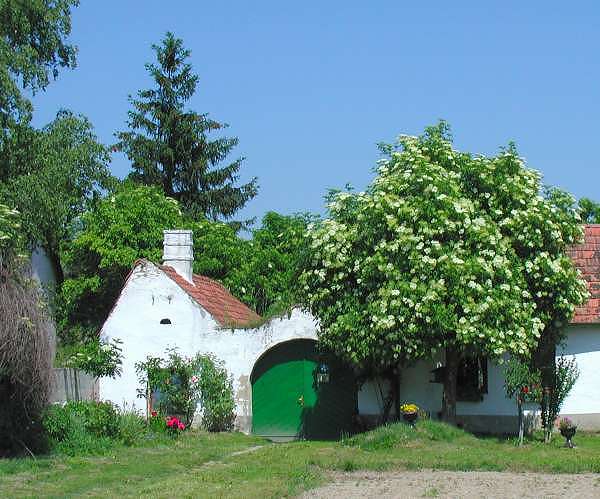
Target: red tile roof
{"points": [[227, 310], [587, 259]]}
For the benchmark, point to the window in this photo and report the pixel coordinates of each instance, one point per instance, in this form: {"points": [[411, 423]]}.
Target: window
{"points": [[165, 321], [472, 379]]}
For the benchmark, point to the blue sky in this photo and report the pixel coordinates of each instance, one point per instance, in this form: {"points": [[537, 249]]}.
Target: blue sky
{"points": [[310, 88]]}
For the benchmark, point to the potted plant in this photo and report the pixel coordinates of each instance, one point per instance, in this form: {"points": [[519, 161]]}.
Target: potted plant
{"points": [[410, 413], [567, 429]]}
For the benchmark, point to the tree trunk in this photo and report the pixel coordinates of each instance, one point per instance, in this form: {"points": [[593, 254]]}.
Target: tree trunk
{"points": [[545, 360], [521, 419], [395, 387], [450, 375], [392, 399]]}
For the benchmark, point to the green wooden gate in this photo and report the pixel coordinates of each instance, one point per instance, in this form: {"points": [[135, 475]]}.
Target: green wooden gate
{"points": [[289, 402]]}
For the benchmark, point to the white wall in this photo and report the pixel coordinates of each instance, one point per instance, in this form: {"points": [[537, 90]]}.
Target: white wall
{"points": [[41, 268], [584, 342], [149, 296]]}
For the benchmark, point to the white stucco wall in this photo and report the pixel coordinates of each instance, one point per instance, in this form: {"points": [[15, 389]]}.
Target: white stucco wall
{"points": [[584, 343], [149, 296], [41, 268]]}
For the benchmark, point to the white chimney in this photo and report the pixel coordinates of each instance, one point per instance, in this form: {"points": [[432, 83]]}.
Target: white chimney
{"points": [[178, 252]]}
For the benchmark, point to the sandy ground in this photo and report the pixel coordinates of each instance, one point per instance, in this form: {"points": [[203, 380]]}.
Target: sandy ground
{"points": [[457, 484]]}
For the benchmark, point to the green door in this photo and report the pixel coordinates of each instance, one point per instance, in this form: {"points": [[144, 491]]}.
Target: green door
{"points": [[289, 402]]}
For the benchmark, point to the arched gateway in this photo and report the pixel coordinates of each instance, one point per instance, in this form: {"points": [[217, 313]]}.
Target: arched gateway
{"points": [[299, 392]]}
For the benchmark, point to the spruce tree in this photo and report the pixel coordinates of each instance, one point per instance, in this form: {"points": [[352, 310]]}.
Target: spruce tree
{"points": [[169, 146]]}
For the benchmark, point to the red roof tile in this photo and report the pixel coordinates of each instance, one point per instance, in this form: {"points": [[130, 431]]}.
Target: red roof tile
{"points": [[227, 310], [587, 259]]}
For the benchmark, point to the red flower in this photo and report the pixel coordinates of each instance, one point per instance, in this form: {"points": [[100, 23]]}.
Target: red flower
{"points": [[181, 426], [154, 414], [525, 389]]}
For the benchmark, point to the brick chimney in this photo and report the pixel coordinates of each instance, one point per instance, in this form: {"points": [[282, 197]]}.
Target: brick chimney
{"points": [[178, 252]]}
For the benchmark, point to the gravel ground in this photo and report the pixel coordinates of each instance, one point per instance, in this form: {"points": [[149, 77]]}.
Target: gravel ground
{"points": [[457, 484]]}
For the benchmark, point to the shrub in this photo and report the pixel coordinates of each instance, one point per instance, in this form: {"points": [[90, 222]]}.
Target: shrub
{"points": [[178, 385], [132, 427], [83, 427], [216, 391]]}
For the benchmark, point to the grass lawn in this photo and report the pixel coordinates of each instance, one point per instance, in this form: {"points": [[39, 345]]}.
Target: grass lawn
{"points": [[211, 465]]}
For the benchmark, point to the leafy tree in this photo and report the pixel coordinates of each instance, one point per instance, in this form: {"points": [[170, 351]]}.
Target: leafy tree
{"points": [[266, 279], [445, 251], [589, 211], [169, 145], [33, 46], [52, 180]]}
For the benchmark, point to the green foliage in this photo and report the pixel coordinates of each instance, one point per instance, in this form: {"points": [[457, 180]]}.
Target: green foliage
{"points": [[400, 435], [10, 234], [566, 373], [266, 278], [589, 211], [33, 46], [216, 394], [522, 380], [169, 145], [52, 176], [120, 228], [98, 358], [178, 384], [172, 381], [90, 427], [132, 427], [444, 249], [128, 225]]}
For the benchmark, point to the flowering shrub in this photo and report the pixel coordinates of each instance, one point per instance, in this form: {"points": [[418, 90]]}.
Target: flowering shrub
{"points": [[444, 250], [174, 426], [178, 385], [566, 424]]}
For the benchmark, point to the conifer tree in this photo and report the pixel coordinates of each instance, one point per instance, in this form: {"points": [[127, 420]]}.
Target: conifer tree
{"points": [[169, 146]]}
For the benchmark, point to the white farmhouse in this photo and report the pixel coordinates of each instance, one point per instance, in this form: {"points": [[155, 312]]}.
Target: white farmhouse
{"points": [[275, 365]]}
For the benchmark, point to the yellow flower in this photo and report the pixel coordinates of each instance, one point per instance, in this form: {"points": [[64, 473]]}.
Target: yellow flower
{"points": [[409, 408]]}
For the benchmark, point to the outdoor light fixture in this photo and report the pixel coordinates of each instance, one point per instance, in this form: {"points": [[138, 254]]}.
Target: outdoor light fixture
{"points": [[323, 373]]}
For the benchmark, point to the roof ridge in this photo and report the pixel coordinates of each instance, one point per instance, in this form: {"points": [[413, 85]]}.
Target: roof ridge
{"points": [[215, 298]]}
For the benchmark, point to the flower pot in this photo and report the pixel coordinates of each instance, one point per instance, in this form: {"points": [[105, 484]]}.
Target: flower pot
{"points": [[410, 417], [568, 433]]}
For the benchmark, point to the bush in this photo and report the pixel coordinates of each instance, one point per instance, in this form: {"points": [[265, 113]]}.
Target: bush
{"points": [[180, 384], [132, 427], [216, 392], [97, 418], [89, 427]]}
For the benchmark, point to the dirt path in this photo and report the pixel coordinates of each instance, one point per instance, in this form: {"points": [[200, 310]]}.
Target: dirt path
{"points": [[457, 484]]}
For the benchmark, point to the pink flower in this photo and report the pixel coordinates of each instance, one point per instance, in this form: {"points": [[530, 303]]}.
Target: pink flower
{"points": [[181, 426]]}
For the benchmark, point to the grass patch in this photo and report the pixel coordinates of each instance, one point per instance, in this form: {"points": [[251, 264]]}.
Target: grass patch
{"points": [[205, 465]]}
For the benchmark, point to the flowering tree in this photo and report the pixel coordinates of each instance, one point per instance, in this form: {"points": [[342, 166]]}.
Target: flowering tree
{"points": [[444, 251]]}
